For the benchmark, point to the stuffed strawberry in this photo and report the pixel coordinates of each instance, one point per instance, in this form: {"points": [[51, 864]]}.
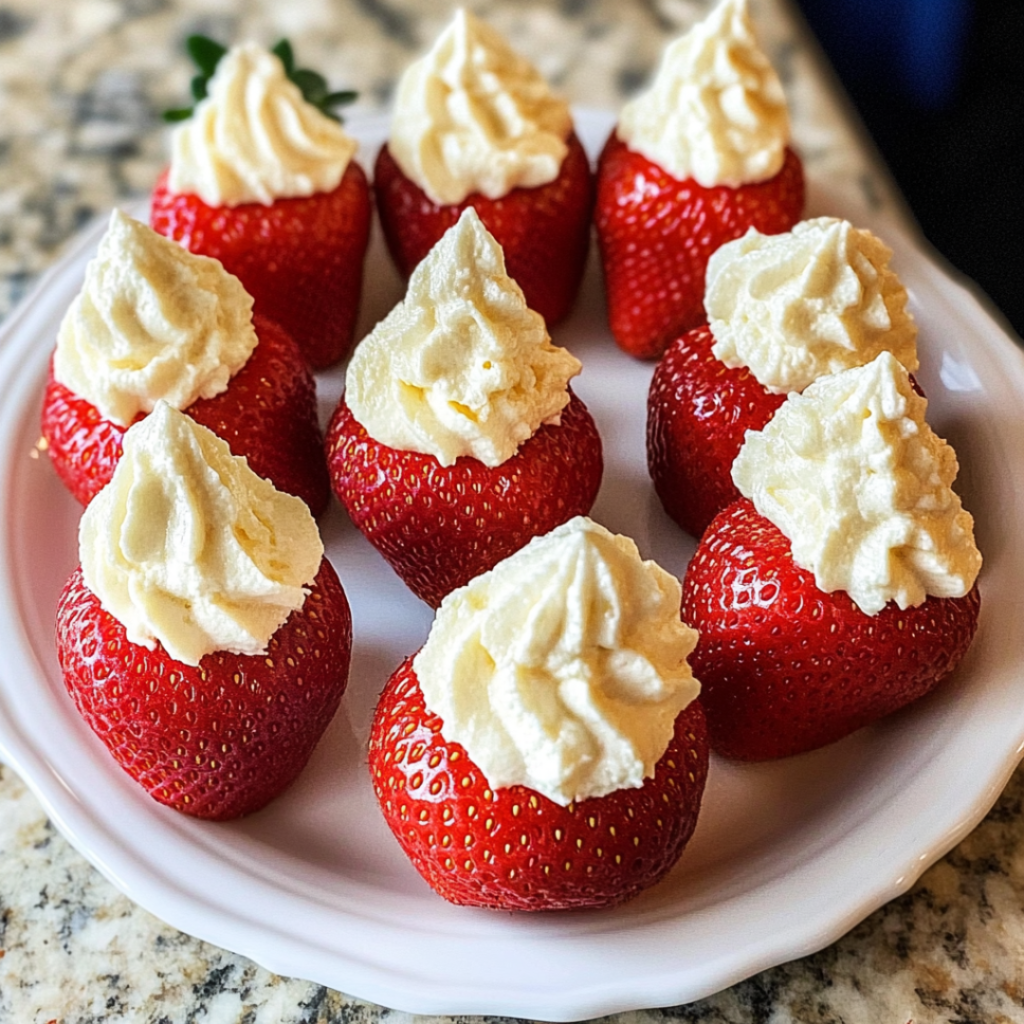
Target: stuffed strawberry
{"points": [[784, 310], [191, 340], [693, 163], [698, 412], [476, 125], [458, 439], [849, 591], [204, 638], [544, 750], [262, 178]]}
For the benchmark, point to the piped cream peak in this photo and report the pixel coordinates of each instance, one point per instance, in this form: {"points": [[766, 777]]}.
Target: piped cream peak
{"points": [[255, 139], [471, 115], [188, 547], [563, 668], [461, 366], [715, 111], [153, 322], [852, 474]]}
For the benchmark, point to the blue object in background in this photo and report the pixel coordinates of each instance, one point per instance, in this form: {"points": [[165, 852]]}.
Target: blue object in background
{"points": [[917, 45]]}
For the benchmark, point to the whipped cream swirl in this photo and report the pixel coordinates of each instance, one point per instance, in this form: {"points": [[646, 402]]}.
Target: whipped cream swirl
{"points": [[188, 547], [461, 366], [473, 116], [153, 322], [715, 111], [255, 139], [564, 668]]}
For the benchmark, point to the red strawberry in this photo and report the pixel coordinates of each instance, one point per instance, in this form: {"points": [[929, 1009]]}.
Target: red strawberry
{"points": [[267, 413], [514, 849], [221, 739], [786, 668], [656, 233], [301, 259], [439, 526], [698, 412], [544, 231]]}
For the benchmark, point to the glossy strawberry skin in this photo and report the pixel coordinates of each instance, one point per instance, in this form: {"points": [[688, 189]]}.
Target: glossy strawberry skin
{"points": [[513, 849], [440, 526], [544, 231], [785, 668], [267, 413], [698, 413], [222, 739], [656, 234], [301, 259]]}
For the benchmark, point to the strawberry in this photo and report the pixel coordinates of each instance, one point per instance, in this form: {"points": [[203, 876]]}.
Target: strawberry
{"points": [[439, 526], [785, 667], [512, 848], [656, 233], [544, 231], [698, 411], [300, 258], [267, 413], [222, 739]]}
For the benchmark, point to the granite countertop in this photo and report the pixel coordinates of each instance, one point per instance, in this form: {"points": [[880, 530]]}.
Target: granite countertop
{"points": [[81, 86]]}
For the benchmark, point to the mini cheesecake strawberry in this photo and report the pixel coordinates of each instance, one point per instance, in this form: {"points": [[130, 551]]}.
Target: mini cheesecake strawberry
{"points": [[785, 667], [524, 797], [220, 739], [544, 231], [204, 639], [698, 413], [454, 145], [458, 438], [267, 413], [262, 397], [512, 848], [785, 310], [271, 190], [685, 171], [439, 526], [849, 591]]}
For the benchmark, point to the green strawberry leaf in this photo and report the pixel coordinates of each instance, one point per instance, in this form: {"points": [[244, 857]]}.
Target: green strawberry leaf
{"points": [[283, 51], [206, 53], [313, 86]]}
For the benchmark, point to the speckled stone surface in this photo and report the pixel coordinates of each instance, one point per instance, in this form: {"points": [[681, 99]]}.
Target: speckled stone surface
{"points": [[81, 85]]}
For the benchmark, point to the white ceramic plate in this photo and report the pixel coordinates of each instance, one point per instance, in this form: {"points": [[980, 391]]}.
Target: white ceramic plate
{"points": [[786, 857]]}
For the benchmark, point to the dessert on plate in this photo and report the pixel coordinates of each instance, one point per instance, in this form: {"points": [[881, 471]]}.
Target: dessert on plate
{"points": [[842, 586], [782, 311], [204, 638], [545, 749], [153, 323], [263, 178], [695, 161], [475, 124], [457, 438]]}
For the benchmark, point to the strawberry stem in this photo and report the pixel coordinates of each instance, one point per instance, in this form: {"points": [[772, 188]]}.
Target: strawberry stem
{"points": [[206, 53]]}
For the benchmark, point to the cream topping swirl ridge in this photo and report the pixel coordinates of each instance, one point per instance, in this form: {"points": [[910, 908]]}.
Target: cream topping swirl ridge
{"points": [[473, 116], [255, 139], [153, 322], [716, 111], [852, 474], [815, 300], [188, 546], [461, 366], [564, 668]]}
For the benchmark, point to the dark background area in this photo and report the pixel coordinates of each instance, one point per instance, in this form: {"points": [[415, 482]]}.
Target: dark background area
{"points": [[939, 85]]}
